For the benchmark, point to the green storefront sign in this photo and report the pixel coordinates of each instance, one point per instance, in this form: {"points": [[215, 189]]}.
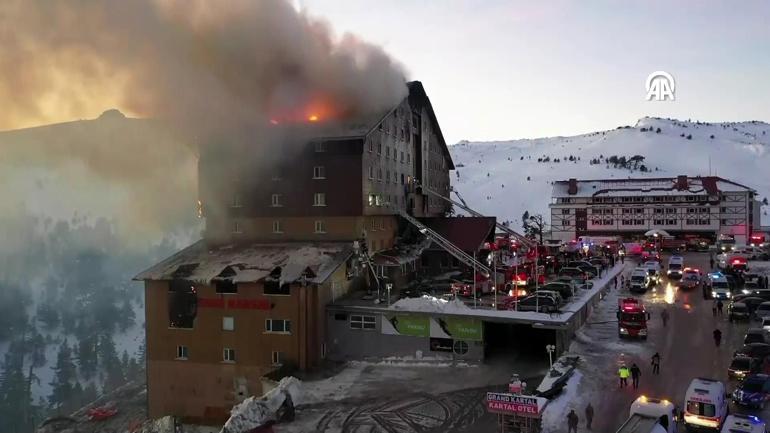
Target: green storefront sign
{"points": [[415, 326], [464, 329]]}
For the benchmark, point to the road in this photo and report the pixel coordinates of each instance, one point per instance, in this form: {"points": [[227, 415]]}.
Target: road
{"points": [[686, 348]]}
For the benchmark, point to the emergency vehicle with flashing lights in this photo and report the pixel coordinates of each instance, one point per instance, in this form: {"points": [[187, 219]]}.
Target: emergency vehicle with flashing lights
{"points": [[758, 240], [705, 404], [675, 267], [632, 318], [650, 415], [739, 423], [718, 286]]}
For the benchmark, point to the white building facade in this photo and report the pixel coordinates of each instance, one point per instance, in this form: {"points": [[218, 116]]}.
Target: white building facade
{"points": [[705, 206]]}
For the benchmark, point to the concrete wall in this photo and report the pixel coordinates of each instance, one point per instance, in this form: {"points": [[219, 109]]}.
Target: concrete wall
{"points": [[345, 343]]}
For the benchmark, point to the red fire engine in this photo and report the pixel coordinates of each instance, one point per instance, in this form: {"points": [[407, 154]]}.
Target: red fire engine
{"points": [[632, 318]]}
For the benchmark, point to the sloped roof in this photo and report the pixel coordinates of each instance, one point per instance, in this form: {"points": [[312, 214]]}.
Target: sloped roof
{"points": [[251, 262], [658, 186], [467, 233]]}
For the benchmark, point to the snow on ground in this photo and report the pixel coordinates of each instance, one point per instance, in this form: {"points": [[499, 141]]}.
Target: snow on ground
{"points": [[555, 414], [430, 304], [492, 177]]}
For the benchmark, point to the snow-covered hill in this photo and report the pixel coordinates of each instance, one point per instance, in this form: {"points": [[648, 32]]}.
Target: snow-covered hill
{"points": [[505, 178]]}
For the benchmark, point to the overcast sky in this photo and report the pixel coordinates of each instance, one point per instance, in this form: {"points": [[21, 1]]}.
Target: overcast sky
{"points": [[498, 70]]}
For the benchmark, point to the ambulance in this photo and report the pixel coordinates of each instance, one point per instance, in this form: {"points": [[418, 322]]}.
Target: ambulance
{"points": [[705, 404]]}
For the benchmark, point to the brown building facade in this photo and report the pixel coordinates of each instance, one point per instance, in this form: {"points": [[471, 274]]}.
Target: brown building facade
{"points": [[283, 209]]}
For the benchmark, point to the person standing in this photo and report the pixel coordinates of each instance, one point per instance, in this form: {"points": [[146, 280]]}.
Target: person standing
{"points": [[720, 305], [711, 261], [664, 317], [615, 281], [572, 421], [636, 373], [656, 363], [589, 416], [623, 374], [717, 337], [714, 308]]}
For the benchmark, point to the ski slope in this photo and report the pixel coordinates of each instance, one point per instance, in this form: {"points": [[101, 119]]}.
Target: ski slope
{"points": [[504, 178]]}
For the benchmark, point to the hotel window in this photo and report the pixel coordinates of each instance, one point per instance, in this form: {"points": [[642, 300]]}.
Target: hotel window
{"points": [[228, 355], [228, 324], [657, 210], [237, 227], [402, 156], [670, 222], [275, 200], [691, 210], [379, 173], [387, 151], [320, 146], [277, 227], [565, 211], [358, 321], [279, 326], [408, 158], [387, 176], [319, 172], [608, 222], [371, 146], [378, 200], [372, 199], [379, 148], [703, 210], [705, 222], [371, 172], [181, 353], [277, 358], [659, 222], [670, 210], [319, 199], [639, 222], [236, 200], [320, 227]]}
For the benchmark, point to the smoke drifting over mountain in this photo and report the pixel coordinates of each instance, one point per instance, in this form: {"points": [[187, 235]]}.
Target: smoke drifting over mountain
{"points": [[208, 71], [198, 63]]}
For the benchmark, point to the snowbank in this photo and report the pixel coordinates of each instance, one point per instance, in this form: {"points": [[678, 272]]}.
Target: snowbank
{"points": [[555, 414], [255, 412], [431, 304]]}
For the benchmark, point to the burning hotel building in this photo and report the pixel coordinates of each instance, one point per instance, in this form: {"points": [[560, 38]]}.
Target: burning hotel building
{"points": [[284, 236]]}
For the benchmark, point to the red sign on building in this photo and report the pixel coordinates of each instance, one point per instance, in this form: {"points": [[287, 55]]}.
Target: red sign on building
{"points": [[510, 404], [234, 304]]}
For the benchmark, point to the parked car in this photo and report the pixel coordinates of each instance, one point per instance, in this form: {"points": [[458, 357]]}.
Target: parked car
{"points": [[741, 366], [563, 288], [753, 391], [689, 282], [585, 267], [765, 323], [755, 350], [738, 311], [575, 273], [763, 310], [755, 335], [601, 262], [752, 302], [541, 303], [578, 283], [751, 287]]}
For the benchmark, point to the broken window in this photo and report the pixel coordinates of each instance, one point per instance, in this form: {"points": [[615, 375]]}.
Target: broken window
{"points": [[225, 286], [273, 285], [182, 304]]}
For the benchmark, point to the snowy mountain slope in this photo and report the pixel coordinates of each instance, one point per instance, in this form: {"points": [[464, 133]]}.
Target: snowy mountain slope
{"points": [[504, 178]]}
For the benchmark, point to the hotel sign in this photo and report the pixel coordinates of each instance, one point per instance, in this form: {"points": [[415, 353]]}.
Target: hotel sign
{"points": [[510, 404]]}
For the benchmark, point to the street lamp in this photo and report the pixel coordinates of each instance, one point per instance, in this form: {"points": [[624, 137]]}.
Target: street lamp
{"points": [[550, 349]]}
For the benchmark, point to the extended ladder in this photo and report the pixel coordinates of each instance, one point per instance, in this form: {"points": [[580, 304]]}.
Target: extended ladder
{"points": [[444, 243]]}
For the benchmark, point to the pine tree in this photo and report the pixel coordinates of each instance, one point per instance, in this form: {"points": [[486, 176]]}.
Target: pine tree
{"points": [[62, 397], [114, 376], [15, 400], [86, 355]]}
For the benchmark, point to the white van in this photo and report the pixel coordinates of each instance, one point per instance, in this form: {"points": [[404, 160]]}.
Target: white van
{"points": [[705, 404], [639, 281], [743, 424], [675, 267], [653, 270], [719, 287]]}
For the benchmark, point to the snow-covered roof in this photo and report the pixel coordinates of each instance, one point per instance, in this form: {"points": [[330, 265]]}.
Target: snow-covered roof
{"points": [[251, 262], [705, 185]]}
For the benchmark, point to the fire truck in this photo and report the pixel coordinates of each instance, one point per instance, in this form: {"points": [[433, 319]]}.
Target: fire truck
{"points": [[632, 318]]}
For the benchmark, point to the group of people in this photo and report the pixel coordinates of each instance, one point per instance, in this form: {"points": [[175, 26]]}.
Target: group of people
{"points": [[624, 372]]}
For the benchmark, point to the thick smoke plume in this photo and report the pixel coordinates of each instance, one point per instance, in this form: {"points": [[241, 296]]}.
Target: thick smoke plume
{"points": [[203, 69], [205, 64]]}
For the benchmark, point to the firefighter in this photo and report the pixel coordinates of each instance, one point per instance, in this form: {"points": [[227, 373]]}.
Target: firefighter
{"points": [[717, 337], [572, 421], [636, 373], [589, 416], [623, 374], [656, 363]]}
